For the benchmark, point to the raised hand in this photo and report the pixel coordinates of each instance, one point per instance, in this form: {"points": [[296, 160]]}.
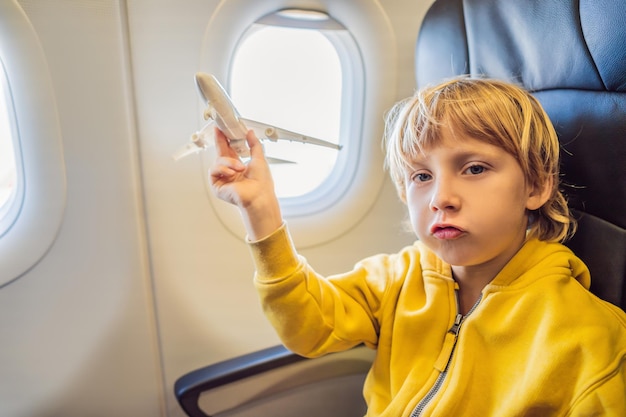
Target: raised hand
{"points": [[249, 186]]}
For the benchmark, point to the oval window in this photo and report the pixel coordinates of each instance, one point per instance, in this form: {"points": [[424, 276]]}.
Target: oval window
{"points": [[11, 182], [301, 70], [8, 167], [300, 91]]}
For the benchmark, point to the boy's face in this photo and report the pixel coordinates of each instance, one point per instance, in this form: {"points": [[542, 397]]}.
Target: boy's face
{"points": [[467, 201]]}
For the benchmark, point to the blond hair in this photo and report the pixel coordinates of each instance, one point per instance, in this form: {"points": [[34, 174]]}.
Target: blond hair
{"points": [[497, 112]]}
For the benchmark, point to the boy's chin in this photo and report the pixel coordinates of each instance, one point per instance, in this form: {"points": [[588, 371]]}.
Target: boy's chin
{"points": [[453, 253]]}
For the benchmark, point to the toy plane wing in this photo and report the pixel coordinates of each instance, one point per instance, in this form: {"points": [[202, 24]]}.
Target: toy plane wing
{"points": [[222, 113]]}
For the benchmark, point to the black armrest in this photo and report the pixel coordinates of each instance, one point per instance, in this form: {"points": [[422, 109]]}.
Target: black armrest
{"points": [[279, 383], [189, 387]]}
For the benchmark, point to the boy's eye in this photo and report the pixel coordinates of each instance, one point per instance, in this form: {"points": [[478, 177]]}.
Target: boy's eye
{"points": [[475, 169], [421, 177]]}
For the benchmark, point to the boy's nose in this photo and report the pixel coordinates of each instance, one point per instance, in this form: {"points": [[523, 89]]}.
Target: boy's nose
{"points": [[444, 197]]}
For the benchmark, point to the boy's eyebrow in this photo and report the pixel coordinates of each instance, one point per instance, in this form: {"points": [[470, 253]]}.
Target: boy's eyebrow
{"points": [[473, 154], [457, 155]]}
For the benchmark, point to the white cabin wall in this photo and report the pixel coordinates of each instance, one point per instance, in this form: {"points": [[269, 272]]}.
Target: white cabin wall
{"points": [[77, 329]]}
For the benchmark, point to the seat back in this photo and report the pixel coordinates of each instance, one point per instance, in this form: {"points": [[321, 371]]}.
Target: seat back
{"points": [[571, 54]]}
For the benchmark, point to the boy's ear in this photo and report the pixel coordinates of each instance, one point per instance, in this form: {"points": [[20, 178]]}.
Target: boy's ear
{"points": [[539, 194]]}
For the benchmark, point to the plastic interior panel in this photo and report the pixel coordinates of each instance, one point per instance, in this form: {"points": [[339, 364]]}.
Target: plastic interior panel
{"points": [[278, 380], [340, 396]]}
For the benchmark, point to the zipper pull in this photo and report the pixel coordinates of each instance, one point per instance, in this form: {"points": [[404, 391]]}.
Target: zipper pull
{"points": [[448, 344], [456, 326]]}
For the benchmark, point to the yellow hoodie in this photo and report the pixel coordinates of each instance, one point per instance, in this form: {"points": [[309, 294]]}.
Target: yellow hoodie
{"points": [[537, 343]]}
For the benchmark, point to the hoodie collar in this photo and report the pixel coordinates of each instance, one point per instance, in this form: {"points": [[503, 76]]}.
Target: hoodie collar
{"points": [[534, 260]]}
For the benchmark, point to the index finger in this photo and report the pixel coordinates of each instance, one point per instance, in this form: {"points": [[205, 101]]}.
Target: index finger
{"points": [[221, 144]]}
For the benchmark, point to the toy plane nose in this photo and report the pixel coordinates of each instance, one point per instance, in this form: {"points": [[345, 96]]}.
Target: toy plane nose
{"points": [[203, 84], [207, 84]]}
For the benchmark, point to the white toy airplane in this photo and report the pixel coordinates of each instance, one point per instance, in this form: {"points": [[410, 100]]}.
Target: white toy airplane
{"points": [[223, 113]]}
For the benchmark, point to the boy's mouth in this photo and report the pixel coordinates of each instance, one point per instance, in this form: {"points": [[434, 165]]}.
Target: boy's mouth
{"points": [[446, 232]]}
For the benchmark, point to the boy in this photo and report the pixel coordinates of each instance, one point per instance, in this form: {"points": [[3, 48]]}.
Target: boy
{"points": [[486, 314]]}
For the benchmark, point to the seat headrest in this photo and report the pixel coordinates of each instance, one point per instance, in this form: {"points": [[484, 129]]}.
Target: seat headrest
{"points": [[542, 45]]}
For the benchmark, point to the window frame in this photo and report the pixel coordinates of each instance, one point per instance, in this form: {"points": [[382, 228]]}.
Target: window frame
{"points": [[40, 206], [369, 26]]}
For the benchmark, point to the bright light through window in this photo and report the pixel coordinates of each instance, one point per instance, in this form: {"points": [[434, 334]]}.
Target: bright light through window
{"points": [[291, 78], [8, 171]]}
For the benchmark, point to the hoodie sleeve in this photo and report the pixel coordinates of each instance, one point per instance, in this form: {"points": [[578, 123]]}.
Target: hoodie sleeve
{"points": [[314, 315], [605, 398]]}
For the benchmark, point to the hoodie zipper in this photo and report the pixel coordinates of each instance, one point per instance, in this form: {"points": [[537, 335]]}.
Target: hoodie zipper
{"points": [[445, 358]]}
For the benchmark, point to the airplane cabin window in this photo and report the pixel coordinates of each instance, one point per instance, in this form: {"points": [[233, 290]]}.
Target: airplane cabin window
{"points": [[8, 167], [296, 69], [334, 86]]}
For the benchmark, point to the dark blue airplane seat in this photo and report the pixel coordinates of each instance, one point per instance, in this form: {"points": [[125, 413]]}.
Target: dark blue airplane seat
{"points": [[572, 55]]}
